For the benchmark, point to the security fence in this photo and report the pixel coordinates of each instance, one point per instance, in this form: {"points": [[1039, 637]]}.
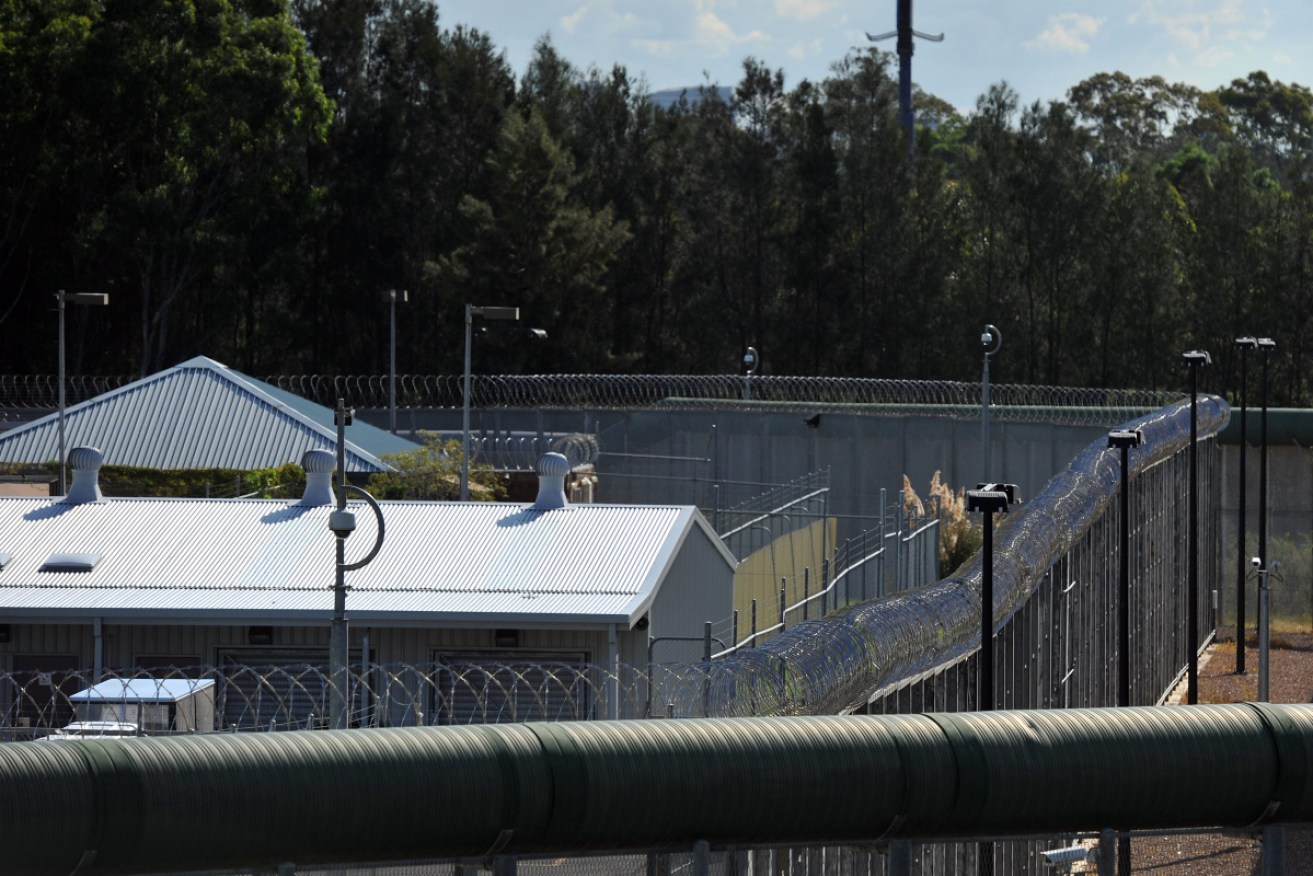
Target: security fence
{"points": [[611, 391], [1054, 576], [1213, 852]]}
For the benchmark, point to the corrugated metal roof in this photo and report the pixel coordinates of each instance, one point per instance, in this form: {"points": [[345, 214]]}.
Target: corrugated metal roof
{"points": [[141, 690], [441, 562], [200, 414]]}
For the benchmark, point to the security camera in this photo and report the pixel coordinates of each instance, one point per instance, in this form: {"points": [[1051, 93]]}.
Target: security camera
{"points": [[986, 339], [342, 523], [1256, 562]]}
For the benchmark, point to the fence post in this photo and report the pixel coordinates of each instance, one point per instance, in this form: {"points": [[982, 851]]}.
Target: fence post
{"points": [[706, 671], [754, 622], [899, 858], [1108, 852], [1274, 850], [806, 592], [884, 507], [734, 634], [783, 604], [701, 858]]}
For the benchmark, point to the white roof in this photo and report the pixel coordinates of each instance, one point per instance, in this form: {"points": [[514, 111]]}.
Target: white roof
{"points": [[262, 561]]}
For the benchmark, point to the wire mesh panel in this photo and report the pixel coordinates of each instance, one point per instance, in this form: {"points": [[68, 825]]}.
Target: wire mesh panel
{"points": [[1202, 852]]}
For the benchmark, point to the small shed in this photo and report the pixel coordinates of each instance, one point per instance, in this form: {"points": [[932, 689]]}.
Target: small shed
{"points": [[155, 705]]}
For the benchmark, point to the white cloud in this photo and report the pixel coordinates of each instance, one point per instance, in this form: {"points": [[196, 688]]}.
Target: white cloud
{"points": [[803, 51], [1199, 25], [803, 10], [656, 48], [714, 33], [1069, 33], [571, 21]]}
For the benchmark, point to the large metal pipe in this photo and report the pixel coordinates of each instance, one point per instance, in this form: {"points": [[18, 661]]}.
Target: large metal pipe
{"points": [[256, 800]]}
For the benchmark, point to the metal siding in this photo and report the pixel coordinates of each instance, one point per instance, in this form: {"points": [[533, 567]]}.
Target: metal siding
{"points": [[199, 414], [699, 587], [264, 561]]}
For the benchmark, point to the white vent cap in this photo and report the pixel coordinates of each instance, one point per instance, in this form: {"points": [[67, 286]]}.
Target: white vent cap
{"points": [[319, 466], [85, 489], [552, 469]]}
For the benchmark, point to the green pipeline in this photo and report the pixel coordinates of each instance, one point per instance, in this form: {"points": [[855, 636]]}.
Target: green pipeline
{"points": [[255, 800]]}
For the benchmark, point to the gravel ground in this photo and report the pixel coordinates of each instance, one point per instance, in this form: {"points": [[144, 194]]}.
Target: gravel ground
{"points": [[1234, 854]]}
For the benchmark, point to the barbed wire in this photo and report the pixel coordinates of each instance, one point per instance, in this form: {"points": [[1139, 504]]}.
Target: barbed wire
{"points": [[815, 667], [623, 391]]}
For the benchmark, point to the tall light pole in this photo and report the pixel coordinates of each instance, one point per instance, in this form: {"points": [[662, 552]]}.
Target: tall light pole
{"points": [[471, 311], [1193, 360], [988, 499], [992, 341], [1244, 345], [393, 297], [1124, 440], [91, 299]]}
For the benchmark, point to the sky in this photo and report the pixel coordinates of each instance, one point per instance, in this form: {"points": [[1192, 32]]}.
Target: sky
{"points": [[1039, 47]]}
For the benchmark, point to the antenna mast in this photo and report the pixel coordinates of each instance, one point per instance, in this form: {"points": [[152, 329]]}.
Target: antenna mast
{"points": [[905, 34]]}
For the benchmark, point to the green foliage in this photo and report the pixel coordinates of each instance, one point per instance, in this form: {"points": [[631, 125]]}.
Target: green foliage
{"points": [[433, 472], [287, 481], [242, 176]]}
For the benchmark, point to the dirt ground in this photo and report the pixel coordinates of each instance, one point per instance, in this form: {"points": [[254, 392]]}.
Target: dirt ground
{"points": [[1236, 854], [1290, 679]]}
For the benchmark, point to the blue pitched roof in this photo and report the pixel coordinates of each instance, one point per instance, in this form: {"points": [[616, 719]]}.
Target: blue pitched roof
{"points": [[200, 414]]}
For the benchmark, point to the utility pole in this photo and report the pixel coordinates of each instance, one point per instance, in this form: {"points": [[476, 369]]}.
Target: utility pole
{"points": [[905, 48]]}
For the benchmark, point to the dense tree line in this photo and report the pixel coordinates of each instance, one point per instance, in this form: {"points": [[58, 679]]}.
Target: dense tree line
{"points": [[245, 177]]}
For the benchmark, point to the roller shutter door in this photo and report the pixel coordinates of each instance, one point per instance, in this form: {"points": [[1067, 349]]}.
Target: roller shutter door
{"points": [[486, 689]]}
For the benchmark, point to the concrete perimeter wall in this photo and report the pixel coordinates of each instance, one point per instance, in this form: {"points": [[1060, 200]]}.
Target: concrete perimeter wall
{"points": [[719, 458]]}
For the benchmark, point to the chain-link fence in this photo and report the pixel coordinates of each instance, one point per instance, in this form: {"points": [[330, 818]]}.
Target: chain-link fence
{"points": [[611, 391], [1213, 852]]}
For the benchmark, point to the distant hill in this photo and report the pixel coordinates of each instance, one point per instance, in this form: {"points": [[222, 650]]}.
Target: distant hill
{"points": [[668, 97]]}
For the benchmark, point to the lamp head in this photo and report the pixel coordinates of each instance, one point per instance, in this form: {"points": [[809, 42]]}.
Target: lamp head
{"points": [[1125, 438], [1195, 358], [494, 312], [1266, 345], [1246, 343], [86, 299], [992, 498]]}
